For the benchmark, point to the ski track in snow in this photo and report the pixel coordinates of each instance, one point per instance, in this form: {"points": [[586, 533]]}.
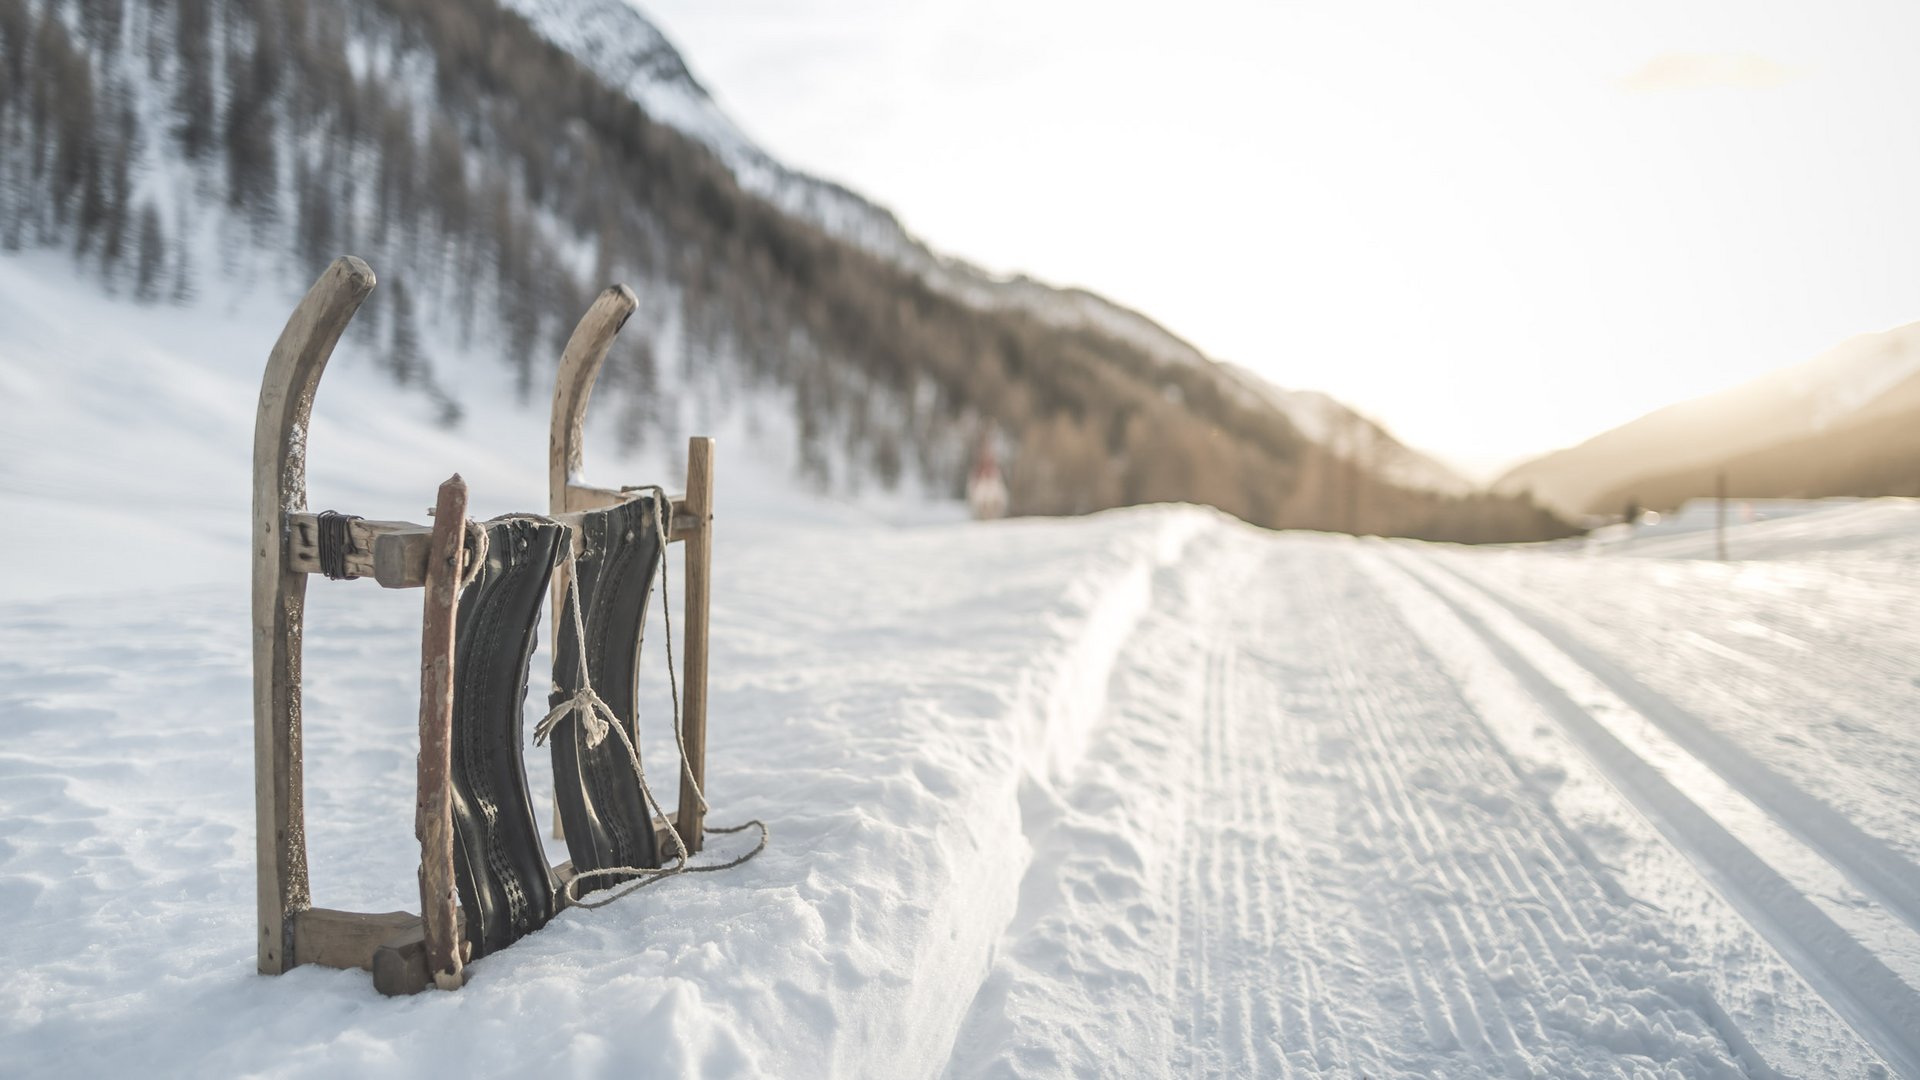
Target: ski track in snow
{"points": [[1324, 831], [1839, 941]]}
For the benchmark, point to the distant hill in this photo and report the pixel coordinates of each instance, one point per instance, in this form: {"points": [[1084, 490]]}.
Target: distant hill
{"points": [[1876, 454], [1830, 426]]}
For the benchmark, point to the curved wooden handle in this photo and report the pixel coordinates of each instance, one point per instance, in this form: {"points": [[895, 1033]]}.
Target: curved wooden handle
{"points": [[279, 597], [566, 431], [579, 366]]}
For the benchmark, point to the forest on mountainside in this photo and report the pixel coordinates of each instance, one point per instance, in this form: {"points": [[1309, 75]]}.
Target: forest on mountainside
{"points": [[493, 180]]}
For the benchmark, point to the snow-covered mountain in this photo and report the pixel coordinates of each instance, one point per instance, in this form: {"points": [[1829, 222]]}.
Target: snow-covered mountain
{"points": [[498, 164], [1810, 418], [617, 41], [1346, 432]]}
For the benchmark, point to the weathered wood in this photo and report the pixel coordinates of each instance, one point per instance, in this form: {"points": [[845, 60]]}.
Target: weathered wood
{"points": [[580, 364], [578, 497], [661, 842], [682, 523], [345, 939], [699, 570], [433, 809], [582, 498], [399, 961], [393, 553], [279, 597]]}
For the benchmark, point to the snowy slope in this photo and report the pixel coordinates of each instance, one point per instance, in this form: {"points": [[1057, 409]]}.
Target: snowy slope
{"points": [[1849, 382], [616, 41], [111, 412], [1353, 437], [1150, 790]]}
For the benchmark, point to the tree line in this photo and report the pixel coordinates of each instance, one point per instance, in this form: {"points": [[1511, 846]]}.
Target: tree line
{"points": [[494, 180]]}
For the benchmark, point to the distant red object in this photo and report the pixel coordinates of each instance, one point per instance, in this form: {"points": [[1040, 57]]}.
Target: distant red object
{"points": [[986, 491]]}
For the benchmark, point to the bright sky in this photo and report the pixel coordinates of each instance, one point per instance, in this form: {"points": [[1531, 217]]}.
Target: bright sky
{"points": [[1498, 228]]}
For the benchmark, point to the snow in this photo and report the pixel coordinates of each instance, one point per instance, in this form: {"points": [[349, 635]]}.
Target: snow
{"points": [[1150, 792]]}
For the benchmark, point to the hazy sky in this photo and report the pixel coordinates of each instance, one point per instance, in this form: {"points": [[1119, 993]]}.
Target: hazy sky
{"points": [[1498, 228]]}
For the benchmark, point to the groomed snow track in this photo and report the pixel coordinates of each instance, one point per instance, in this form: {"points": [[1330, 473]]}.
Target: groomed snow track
{"points": [[1334, 821], [1775, 853]]}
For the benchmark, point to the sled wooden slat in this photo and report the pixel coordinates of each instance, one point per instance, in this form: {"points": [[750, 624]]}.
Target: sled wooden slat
{"points": [[681, 522], [588, 497], [345, 939], [433, 806], [699, 571]]}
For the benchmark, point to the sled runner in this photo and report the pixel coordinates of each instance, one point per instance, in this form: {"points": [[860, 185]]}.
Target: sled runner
{"points": [[485, 584]]}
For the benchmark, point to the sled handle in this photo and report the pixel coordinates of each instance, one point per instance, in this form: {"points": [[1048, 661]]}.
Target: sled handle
{"points": [[280, 594]]}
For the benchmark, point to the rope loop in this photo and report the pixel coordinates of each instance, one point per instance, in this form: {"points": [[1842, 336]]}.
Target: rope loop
{"points": [[474, 551]]}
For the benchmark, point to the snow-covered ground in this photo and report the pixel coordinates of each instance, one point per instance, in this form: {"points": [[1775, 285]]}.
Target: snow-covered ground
{"points": [[1149, 793]]}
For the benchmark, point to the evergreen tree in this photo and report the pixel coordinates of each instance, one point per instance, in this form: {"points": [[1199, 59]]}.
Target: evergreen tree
{"points": [[404, 358], [193, 100], [150, 258]]}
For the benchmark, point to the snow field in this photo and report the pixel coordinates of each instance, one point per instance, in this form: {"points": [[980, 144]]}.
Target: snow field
{"points": [[1151, 788], [885, 752], [1149, 792]]}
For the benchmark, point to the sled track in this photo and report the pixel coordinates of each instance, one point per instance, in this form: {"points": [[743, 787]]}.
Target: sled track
{"points": [[1299, 846], [1347, 805], [1762, 867]]}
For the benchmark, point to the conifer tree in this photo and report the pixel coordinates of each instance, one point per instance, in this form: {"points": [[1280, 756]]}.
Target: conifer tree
{"points": [[404, 358], [150, 258]]}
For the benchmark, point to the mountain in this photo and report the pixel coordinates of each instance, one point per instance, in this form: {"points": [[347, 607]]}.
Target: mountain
{"points": [[497, 164], [1874, 453], [1834, 425], [617, 41]]}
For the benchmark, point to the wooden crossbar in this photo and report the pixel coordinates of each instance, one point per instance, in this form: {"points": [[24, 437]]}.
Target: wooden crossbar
{"points": [[394, 553]]}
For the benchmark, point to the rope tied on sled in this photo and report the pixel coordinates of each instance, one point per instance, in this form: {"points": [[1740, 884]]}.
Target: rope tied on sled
{"points": [[597, 719], [335, 543]]}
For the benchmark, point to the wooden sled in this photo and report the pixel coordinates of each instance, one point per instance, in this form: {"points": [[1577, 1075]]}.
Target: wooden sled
{"points": [[484, 586]]}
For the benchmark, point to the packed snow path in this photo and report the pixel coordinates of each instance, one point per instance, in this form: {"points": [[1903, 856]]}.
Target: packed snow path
{"points": [[1147, 794], [1358, 835]]}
